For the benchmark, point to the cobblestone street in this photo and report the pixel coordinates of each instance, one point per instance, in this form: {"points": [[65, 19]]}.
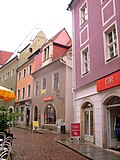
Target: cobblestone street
{"points": [[28, 145]]}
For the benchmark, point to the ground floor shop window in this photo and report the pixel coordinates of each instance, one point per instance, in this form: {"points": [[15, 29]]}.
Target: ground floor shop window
{"points": [[50, 115]]}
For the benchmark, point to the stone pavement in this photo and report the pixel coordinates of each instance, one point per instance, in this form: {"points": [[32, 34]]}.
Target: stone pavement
{"points": [[89, 151]]}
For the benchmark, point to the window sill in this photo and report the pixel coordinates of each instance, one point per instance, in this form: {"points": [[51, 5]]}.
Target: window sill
{"points": [[111, 58], [83, 23], [84, 74]]}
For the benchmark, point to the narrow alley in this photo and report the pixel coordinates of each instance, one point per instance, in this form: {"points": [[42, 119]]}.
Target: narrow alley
{"points": [[28, 145]]}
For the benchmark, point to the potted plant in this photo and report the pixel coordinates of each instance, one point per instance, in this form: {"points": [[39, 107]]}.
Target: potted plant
{"points": [[6, 117]]}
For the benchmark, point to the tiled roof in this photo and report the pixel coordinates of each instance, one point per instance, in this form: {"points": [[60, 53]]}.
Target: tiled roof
{"points": [[62, 37], [4, 56]]}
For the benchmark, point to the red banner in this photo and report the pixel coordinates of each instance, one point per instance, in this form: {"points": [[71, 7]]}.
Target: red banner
{"points": [[75, 130]]}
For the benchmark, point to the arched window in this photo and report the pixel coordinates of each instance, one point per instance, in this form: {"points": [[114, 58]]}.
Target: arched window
{"points": [[50, 115], [36, 113]]}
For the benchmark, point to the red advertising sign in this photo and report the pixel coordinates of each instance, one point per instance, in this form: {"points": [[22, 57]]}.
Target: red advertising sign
{"points": [[48, 98], [108, 81], [75, 130]]}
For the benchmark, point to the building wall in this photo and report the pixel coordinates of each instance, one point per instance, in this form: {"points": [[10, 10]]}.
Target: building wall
{"points": [[62, 102], [9, 72], [91, 34]]}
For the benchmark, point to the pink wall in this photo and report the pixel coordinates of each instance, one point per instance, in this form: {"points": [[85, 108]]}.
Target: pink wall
{"points": [[91, 33]]}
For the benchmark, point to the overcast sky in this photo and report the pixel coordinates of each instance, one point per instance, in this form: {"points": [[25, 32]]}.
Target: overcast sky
{"points": [[19, 19]]}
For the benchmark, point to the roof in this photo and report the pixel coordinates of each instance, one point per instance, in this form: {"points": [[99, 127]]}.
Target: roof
{"points": [[4, 56], [72, 4], [62, 37]]}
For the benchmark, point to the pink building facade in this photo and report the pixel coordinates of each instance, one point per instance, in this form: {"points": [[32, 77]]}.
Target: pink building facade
{"points": [[96, 66]]}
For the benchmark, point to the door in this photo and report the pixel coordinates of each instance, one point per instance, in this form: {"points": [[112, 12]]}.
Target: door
{"points": [[113, 112], [88, 125]]}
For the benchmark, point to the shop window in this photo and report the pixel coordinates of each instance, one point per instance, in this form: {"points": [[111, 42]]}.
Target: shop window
{"points": [[22, 113], [50, 115]]}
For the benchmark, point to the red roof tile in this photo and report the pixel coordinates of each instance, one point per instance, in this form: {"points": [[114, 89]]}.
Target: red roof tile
{"points": [[4, 56]]}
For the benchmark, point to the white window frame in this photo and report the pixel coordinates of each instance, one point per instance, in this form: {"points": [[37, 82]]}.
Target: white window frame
{"points": [[85, 61], [109, 56], [36, 89], [42, 83], [28, 90], [23, 95], [18, 95], [12, 72], [56, 88], [3, 78], [29, 69], [46, 52], [83, 17], [19, 76], [24, 72]]}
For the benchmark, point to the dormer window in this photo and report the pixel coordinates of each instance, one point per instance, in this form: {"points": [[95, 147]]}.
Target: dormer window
{"points": [[46, 53]]}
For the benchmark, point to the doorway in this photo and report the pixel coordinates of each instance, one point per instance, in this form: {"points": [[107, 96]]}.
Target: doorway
{"points": [[112, 113]]}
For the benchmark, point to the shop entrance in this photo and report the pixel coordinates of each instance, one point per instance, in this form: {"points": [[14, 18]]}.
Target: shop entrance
{"points": [[113, 110], [88, 121], [113, 113]]}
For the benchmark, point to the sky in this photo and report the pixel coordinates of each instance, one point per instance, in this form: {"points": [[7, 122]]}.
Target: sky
{"points": [[22, 19]]}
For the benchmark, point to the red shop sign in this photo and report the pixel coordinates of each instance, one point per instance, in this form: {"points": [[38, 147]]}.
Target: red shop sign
{"points": [[48, 98], [108, 81], [75, 130]]}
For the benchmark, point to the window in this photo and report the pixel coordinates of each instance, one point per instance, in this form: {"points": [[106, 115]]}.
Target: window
{"points": [[84, 13], [56, 81], [30, 69], [112, 48], [44, 83], [50, 115], [36, 88], [18, 95], [22, 113], [29, 88], [88, 115], [36, 113], [24, 73], [23, 93], [3, 78], [19, 76], [85, 62], [46, 53], [8, 75], [12, 72]]}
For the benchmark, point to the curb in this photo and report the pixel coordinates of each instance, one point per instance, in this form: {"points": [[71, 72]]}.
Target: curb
{"points": [[74, 149]]}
